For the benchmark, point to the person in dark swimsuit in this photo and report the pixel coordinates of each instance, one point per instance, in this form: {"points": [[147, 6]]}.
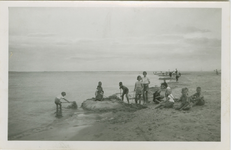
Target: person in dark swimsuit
{"points": [[164, 85], [125, 91], [157, 97], [99, 92]]}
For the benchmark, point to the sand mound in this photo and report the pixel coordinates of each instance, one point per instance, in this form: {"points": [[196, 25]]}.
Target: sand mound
{"points": [[91, 104], [111, 103], [73, 105]]}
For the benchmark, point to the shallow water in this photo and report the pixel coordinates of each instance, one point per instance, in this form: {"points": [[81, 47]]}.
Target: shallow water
{"points": [[31, 94]]}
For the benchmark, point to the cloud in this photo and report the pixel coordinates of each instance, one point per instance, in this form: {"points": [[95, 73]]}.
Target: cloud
{"points": [[208, 42], [171, 49], [41, 35], [189, 29]]}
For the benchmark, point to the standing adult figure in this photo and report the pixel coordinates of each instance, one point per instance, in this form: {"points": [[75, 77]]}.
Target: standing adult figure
{"points": [[145, 82], [170, 74], [177, 76], [216, 71]]}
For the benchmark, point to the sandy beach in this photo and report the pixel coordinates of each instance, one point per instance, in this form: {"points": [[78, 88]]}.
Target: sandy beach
{"points": [[201, 123]]}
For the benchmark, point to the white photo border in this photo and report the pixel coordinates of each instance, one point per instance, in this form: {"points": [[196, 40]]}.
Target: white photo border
{"points": [[225, 79]]}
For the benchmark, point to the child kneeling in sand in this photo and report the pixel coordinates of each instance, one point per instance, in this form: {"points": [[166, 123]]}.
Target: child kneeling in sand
{"points": [[185, 102], [58, 100], [99, 92], [169, 102], [138, 89], [197, 98], [125, 91]]}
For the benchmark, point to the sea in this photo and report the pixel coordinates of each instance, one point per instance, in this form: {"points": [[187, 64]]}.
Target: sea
{"points": [[31, 94]]}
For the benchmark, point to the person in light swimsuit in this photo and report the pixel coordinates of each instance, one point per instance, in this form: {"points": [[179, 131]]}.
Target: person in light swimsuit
{"points": [[145, 82], [138, 89]]}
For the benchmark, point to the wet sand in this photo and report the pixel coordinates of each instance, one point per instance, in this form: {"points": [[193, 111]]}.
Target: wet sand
{"points": [[201, 123]]}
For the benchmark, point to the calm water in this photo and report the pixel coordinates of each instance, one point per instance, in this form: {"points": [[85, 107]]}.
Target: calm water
{"points": [[31, 94]]}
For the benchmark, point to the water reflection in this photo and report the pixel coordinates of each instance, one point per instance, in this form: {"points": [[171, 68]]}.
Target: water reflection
{"points": [[59, 113]]}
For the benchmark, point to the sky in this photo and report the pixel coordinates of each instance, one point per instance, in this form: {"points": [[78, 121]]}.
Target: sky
{"points": [[114, 39]]}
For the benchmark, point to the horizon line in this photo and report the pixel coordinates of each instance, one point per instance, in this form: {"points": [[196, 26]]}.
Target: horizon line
{"points": [[121, 71]]}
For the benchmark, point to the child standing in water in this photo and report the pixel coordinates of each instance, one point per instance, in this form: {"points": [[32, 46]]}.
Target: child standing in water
{"points": [[58, 100], [125, 91], [197, 98], [138, 89], [185, 103], [145, 82], [99, 92]]}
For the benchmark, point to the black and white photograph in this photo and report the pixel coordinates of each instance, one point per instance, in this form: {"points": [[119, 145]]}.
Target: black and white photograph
{"points": [[117, 73]]}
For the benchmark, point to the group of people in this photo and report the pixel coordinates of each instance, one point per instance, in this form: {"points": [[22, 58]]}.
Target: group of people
{"points": [[166, 101], [187, 102], [141, 88]]}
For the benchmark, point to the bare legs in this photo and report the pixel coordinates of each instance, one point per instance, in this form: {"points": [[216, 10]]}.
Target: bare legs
{"points": [[136, 98], [126, 97], [145, 96], [58, 109]]}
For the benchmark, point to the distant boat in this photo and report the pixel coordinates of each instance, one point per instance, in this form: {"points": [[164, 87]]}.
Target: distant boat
{"points": [[166, 78], [163, 75], [160, 73], [157, 73]]}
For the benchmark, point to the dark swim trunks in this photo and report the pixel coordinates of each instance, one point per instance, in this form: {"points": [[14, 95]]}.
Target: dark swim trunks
{"points": [[125, 90], [57, 101], [200, 102], [145, 87]]}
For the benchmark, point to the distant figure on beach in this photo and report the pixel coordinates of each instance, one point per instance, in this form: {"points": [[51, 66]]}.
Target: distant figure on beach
{"points": [[125, 91], [138, 89], [176, 71], [169, 102], [164, 85], [157, 98], [170, 74], [145, 82], [216, 71], [185, 102], [58, 100], [99, 92], [177, 76], [197, 98]]}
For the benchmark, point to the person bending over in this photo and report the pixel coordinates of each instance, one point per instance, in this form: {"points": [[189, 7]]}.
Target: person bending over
{"points": [[58, 100], [125, 91]]}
